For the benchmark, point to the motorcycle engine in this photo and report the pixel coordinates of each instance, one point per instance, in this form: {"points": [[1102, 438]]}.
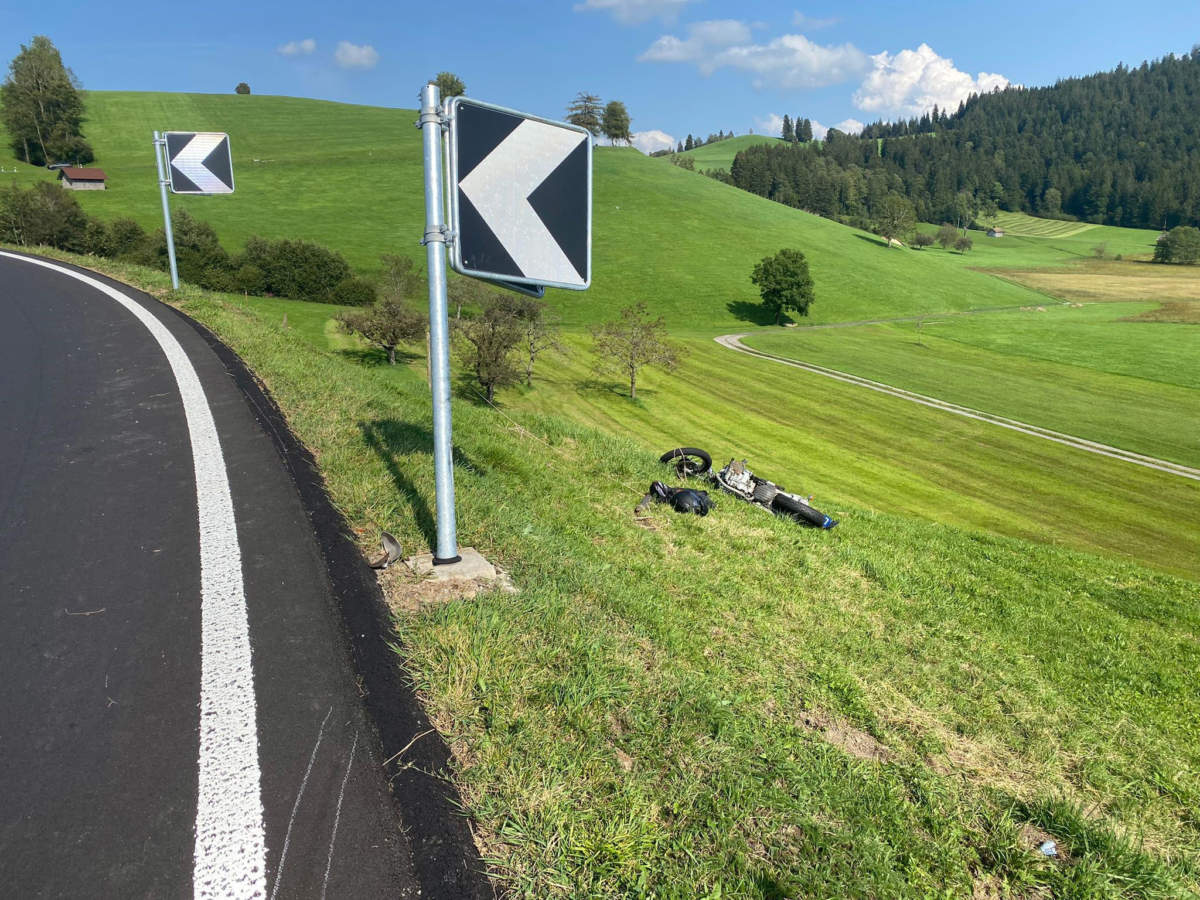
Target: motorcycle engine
{"points": [[738, 477]]}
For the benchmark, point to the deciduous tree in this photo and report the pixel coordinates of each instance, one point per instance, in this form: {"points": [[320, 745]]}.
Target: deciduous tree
{"points": [[449, 85], [1179, 245], [784, 283], [632, 342], [242, 88], [616, 122], [947, 235], [41, 107], [488, 341], [896, 217], [387, 324]]}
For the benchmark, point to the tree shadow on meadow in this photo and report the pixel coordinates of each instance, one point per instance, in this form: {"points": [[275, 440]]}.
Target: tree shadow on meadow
{"points": [[755, 313], [392, 440], [618, 389], [372, 357], [874, 239]]}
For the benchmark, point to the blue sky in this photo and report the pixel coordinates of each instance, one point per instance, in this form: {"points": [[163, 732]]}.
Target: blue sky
{"points": [[680, 66]]}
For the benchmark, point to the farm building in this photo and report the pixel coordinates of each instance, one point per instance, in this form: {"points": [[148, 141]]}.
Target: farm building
{"points": [[995, 232], [76, 179]]}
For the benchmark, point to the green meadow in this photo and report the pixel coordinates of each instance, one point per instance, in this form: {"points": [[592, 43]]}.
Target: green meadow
{"points": [[1044, 365], [720, 155], [997, 644]]}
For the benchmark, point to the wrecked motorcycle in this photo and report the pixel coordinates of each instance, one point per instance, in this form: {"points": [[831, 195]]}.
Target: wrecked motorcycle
{"points": [[736, 479]]}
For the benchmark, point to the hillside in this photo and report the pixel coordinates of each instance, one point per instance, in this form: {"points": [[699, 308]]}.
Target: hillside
{"points": [[720, 155], [349, 177], [747, 708], [1117, 148]]}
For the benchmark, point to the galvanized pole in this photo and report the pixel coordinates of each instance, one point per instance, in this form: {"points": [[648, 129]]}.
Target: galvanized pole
{"points": [[160, 148], [431, 123]]}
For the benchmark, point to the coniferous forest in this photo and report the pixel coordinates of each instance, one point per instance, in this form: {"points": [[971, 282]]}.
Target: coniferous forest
{"points": [[1117, 148]]}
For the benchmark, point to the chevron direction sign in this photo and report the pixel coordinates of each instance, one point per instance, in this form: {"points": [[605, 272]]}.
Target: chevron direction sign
{"points": [[200, 162], [520, 197]]}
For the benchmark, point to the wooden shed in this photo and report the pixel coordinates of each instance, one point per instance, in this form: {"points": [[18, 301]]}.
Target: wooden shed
{"points": [[76, 179]]}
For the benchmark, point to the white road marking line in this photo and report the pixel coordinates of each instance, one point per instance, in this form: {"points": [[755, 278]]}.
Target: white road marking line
{"points": [[230, 848], [733, 342], [338, 816], [287, 838]]}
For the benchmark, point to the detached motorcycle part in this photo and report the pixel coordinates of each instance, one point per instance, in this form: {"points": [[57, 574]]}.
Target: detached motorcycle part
{"points": [[682, 500], [786, 503], [689, 461]]}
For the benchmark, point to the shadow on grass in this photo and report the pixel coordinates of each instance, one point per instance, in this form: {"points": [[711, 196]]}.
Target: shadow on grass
{"points": [[612, 388], [390, 440], [370, 357], [874, 239], [755, 313]]}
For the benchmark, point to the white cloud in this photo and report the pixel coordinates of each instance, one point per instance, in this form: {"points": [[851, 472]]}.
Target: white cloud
{"points": [[910, 82], [297, 48], [800, 20], [649, 141], [849, 126], [772, 124], [788, 61], [704, 41], [354, 56], [634, 12]]}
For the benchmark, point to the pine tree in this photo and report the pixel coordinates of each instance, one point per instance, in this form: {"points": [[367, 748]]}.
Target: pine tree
{"points": [[789, 132]]}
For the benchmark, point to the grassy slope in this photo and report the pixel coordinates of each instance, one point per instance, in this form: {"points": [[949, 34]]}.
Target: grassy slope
{"points": [[639, 720], [1047, 368], [720, 155], [654, 243], [346, 176]]}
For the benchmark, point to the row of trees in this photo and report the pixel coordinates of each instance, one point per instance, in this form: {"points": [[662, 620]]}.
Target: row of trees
{"points": [[47, 216], [798, 132], [41, 107], [610, 120], [1118, 148], [499, 336]]}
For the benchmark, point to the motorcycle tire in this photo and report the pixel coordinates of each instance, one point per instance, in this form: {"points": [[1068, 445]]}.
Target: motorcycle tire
{"points": [[802, 511], [689, 461]]}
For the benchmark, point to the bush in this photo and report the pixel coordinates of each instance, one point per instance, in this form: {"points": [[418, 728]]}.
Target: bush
{"points": [[1180, 245], [249, 279], [97, 239], [354, 292], [199, 255], [297, 269], [44, 215], [126, 239]]}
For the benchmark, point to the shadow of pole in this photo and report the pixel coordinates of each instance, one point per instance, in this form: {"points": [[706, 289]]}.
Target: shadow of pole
{"points": [[388, 438]]}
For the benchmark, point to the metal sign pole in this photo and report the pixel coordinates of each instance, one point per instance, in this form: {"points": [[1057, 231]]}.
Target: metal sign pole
{"points": [[160, 147], [430, 124]]}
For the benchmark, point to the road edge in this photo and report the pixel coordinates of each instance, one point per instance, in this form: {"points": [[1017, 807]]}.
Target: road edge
{"points": [[446, 861]]}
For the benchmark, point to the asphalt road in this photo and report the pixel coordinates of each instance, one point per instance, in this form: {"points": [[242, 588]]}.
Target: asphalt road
{"points": [[169, 728]]}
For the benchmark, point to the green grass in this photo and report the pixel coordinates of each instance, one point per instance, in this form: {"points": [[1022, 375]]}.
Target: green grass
{"points": [[1023, 225], [720, 155], [1045, 367], [657, 712], [349, 177]]}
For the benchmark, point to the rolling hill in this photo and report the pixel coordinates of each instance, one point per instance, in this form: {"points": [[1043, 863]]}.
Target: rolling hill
{"points": [[349, 177], [720, 155]]}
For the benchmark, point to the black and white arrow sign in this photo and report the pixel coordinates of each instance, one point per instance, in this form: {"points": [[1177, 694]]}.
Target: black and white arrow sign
{"points": [[521, 202], [200, 162]]}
